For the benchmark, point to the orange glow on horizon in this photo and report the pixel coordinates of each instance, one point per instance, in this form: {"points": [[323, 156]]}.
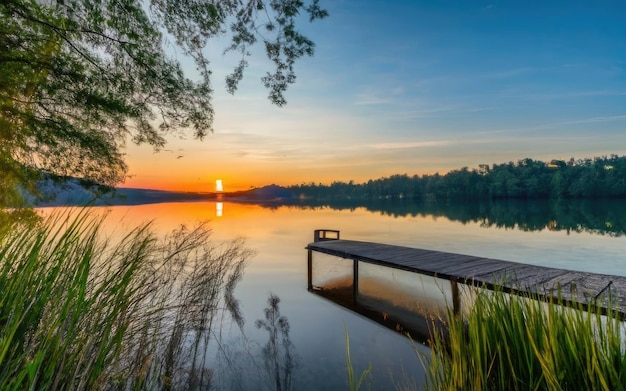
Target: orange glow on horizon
{"points": [[188, 179], [200, 185], [206, 183], [200, 166]]}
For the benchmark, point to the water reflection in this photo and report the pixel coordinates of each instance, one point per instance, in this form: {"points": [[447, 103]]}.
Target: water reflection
{"points": [[599, 216], [407, 302], [271, 366], [279, 354]]}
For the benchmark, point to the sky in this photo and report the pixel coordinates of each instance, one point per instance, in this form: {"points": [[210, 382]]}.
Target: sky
{"points": [[413, 87]]}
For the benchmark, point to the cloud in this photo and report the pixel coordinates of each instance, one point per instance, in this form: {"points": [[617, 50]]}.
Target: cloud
{"points": [[397, 91], [371, 99], [424, 112], [554, 125], [510, 73], [568, 94], [381, 96], [433, 111], [606, 118], [409, 144]]}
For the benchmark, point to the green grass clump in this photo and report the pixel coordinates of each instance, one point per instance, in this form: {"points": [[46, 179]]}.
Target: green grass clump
{"points": [[79, 311], [509, 342]]}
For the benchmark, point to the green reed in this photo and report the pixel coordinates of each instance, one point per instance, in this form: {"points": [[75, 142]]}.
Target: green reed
{"points": [[80, 311], [509, 342], [365, 378]]}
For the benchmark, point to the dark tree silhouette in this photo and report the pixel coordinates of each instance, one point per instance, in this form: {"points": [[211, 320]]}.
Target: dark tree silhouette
{"points": [[525, 179]]}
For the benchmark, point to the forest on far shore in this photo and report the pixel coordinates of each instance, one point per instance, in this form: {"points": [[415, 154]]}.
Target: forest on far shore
{"points": [[525, 179]]}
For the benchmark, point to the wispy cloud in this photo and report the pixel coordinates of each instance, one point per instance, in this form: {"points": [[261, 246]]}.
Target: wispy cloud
{"points": [[433, 82], [433, 111], [510, 73], [568, 94], [408, 145], [380, 96], [557, 124], [367, 99], [268, 154], [397, 91], [607, 118], [424, 112]]}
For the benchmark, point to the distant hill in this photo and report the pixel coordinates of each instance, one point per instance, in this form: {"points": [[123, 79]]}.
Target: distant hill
{"points": [[56, 191], [270, 193], [129, 196], [68, 191]]}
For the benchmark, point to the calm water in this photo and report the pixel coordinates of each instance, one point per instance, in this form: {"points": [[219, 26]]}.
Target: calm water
{"points": [[594, 241]]}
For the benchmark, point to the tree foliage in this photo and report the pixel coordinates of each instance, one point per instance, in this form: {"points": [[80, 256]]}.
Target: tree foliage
{"points": [[78, 77], [525, 179]]}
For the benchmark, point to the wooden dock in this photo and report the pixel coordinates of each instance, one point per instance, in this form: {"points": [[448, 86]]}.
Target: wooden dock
{"points": [[592, 290]]}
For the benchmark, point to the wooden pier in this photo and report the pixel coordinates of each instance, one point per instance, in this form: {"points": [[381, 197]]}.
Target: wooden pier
{"points": [[591, 290]]}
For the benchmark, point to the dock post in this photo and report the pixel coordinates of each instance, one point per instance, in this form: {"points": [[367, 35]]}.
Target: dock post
{"points": [[355, 279], [456, 299], [310, 270]]}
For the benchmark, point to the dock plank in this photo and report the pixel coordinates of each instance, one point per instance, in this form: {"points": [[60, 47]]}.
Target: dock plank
{"points": [[605, 291]]}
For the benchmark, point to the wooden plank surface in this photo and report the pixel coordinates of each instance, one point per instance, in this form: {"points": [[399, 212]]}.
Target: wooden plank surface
{"points": [[573, 286]]}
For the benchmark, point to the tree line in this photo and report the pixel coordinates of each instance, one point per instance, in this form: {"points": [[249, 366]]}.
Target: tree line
{"points": [[525, 179]]}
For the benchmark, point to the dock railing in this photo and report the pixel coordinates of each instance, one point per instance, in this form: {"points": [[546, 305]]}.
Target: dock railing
{"points": [[321, 235]]}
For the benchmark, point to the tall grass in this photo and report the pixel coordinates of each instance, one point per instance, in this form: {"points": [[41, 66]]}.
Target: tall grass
{"points": [[365, 378], [79, 311], [519, 343]]}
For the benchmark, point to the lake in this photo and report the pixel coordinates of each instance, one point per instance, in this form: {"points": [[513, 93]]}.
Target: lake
{"points": [[574, 235]]}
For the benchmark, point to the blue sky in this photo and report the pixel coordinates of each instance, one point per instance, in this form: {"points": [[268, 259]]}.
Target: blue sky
{"points": [[417, 87]]}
